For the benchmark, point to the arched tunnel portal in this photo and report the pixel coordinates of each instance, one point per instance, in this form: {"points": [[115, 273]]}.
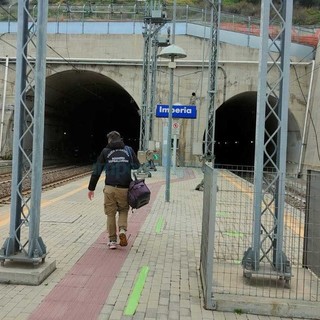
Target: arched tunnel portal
{"points": [[81, 108], [235, 131]]}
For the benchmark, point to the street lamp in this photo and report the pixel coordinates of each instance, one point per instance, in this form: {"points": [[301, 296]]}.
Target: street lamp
{"points": [[171, 52]]}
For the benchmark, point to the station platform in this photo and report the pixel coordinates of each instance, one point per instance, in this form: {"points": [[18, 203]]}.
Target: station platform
{"points": [[5, 166], [155, 277]]}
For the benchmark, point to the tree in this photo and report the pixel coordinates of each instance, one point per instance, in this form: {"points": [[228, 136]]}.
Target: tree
{"points": [[309, 3]]}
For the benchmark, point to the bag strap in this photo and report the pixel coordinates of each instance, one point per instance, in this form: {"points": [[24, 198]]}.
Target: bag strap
{"points": [[131, 161], [130, 154]]}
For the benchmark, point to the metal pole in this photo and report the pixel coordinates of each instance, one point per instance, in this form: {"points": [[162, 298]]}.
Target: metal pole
{"points": [[28, 121], [171, 66], [306, 117], [271, 145], [153, 87], [260, 131], [284, 97], [11, 245], [174, 153], [174, 15], [36, 247], [4, 101], [168, 164], [145, 84], [212, 79]]}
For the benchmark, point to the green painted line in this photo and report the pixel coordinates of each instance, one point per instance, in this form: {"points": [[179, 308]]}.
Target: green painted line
{"points": [[159, 225], [134, 297], [222, 214], [233, 234]]}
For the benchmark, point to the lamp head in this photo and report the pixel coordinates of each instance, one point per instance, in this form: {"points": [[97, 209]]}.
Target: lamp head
{"points": [[172, 51]]}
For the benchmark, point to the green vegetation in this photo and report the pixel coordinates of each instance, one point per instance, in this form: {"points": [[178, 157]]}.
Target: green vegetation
{"points": [[238, 311], [305, 12]]}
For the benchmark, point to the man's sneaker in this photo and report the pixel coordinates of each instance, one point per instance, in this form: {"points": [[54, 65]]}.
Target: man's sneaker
{"points": [[123, 238], [112, 245]]}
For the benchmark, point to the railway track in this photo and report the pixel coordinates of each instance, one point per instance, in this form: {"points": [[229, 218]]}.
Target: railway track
{"points": [[51, 178], [296, 196], [295, 191]]}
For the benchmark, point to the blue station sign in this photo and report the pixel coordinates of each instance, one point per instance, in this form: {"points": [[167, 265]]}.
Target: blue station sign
{"points": [[178, 111]]}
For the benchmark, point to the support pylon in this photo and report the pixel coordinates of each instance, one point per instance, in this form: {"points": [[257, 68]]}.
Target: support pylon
{"points": [[266, 255], [28, 126], [154, 20]]}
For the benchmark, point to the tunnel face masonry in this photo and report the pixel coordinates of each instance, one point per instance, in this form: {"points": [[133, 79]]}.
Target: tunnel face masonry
{"points": [[128, 75], [82, 106]]}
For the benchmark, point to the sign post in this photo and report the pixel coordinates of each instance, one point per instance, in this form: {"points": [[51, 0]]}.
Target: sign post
{"points": [[175, 132], [171, 52], [177, 112]]}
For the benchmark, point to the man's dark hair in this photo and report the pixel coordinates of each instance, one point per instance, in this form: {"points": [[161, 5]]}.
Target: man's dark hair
{"points": [[113, 136]]}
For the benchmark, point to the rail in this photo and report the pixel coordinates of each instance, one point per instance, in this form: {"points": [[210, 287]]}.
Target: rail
{"points": [[89, 12], [52, 177]]}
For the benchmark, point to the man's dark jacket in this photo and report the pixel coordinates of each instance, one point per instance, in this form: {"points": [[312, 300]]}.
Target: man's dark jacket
{"points": [[117, 160]]}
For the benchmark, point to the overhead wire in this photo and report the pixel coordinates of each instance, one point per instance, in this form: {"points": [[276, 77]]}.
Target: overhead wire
{"points": [[200, 81], [309, 112], [66, 60], [74, 67]]}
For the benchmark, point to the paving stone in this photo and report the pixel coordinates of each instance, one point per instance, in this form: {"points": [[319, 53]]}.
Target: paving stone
{"points": [[172, 289]]}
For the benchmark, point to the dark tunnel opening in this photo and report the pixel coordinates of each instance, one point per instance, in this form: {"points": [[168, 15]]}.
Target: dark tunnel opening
{"points": [[235, 130], [81, 108]]}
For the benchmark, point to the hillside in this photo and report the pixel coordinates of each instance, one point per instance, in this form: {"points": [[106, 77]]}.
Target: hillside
{"points": [[305, 12]]}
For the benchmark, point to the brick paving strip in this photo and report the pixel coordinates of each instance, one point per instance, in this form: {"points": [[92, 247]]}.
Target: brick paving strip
{"points": [[81, 294]]}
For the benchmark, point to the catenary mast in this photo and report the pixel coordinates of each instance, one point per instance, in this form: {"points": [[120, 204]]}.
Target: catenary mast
{"points": [[24, 242]]}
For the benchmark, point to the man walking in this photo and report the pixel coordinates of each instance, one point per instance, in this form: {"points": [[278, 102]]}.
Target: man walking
{"points": [[117, 159]]}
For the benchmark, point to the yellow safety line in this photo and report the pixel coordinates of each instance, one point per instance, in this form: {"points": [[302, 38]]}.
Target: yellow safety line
{"points": [[6, 216], [291, 222], [5, 220], [45, 203]]}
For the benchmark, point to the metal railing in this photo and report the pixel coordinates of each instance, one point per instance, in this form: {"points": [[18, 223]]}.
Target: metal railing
{"points": [[231, 233], [134, 12]]}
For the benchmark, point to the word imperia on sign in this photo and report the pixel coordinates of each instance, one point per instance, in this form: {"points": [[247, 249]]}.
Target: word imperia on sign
{"points": [[178, 111]]}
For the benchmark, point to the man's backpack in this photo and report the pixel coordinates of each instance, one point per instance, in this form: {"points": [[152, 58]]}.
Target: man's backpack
{"points": [[138, 193]]}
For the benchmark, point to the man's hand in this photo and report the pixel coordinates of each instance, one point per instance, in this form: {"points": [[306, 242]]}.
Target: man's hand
{"points": [[90, 195]]}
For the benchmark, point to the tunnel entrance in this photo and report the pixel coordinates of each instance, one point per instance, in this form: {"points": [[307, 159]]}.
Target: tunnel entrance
{"points": [[235, 132], [81, 108]]}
